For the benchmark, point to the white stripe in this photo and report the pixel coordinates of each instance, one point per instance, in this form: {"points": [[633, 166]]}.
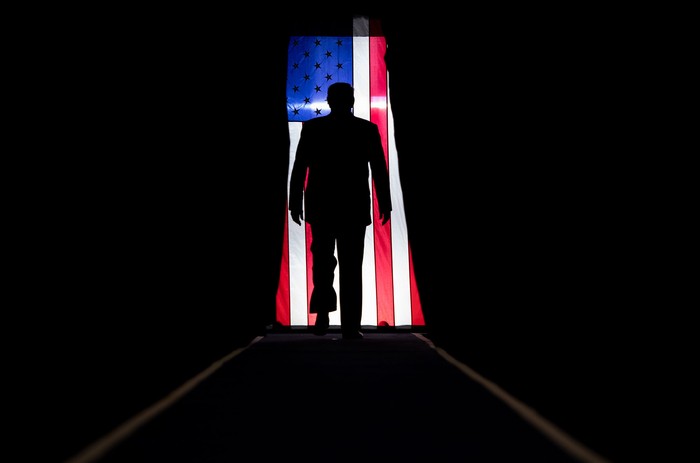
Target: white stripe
{"points": [[360, 66], [297, 248], [399, 235]]}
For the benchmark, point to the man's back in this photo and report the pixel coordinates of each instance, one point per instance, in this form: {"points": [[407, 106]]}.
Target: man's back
{"points": [[338, 151]]}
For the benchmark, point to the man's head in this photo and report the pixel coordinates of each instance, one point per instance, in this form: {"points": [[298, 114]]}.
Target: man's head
{"points": [[341, 96]]}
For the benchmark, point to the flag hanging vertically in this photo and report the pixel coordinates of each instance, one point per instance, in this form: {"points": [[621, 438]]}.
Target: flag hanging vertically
{"points": [[390, 297]]}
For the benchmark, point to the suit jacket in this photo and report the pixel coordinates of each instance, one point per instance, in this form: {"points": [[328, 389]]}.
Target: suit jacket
{"points": [[337, 152]]}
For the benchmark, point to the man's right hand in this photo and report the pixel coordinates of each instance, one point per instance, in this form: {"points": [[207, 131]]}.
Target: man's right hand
{"points": [[297, 217]]}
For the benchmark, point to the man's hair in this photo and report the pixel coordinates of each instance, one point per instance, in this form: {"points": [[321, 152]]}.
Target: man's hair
{"points": [[341, 95]]}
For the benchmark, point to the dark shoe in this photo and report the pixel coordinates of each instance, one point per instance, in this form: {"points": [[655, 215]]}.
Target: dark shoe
{"points": [[353, 335], [322, 323]]}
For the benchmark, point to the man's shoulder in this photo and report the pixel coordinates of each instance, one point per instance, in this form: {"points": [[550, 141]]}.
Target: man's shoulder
{"points": [[318, 122], [315, 121], [364, 122], [357, 122]]}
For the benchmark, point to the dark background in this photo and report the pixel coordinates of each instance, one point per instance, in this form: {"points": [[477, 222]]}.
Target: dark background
{"points": [[153, 206]]}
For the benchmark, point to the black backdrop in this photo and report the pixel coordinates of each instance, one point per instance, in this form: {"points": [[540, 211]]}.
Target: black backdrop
{"points": [[157, 202]]}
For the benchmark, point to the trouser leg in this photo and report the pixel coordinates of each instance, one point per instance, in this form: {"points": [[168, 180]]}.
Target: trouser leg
{"points": [[351, 245], [323, 296]]}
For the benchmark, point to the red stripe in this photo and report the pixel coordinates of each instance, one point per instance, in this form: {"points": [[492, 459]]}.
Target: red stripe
{"points": [[283, 314], [382, 233], [311, 319], [309, 275], [416, 308]]}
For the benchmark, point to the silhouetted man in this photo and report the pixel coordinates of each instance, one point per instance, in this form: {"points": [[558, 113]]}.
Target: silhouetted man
{"points": [[337, 152]]}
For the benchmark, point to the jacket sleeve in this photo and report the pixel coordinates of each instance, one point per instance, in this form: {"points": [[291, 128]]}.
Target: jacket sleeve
{"points": [[380, 174], [298, 177]]}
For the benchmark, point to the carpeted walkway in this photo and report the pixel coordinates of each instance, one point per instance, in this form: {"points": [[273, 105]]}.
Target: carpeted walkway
{"points": [[300, 397]]}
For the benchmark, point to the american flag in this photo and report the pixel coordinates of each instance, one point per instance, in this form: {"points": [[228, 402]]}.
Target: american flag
{"points": [[314, 62]]}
